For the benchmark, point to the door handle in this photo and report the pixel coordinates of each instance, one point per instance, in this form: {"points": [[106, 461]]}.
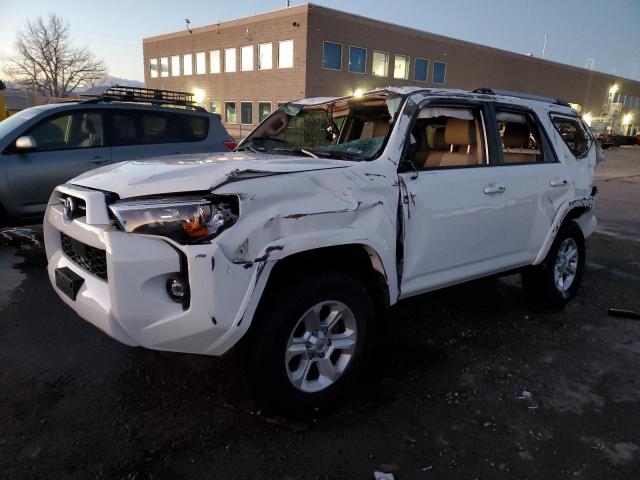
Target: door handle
{"points": [[493, 188], [559, 182]]}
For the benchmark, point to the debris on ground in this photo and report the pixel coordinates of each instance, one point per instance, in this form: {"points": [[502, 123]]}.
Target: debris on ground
{"points": [[21, 237], [621, 313]]}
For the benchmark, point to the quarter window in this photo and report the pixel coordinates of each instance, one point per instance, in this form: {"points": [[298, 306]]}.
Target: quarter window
{"points": [[421, 70], [246, 113], [201, 67], [187, 64], [401, 67], [230, 60], [153, 68], [264, 110], [164, 66], [265, 56], [215, 106], [357, 59], [230, 112], [175, 66], [573, 133], [285, 54], [439, 72], [246, 58], [520, 138], [214, 61], [380, 64], [332, 56]]}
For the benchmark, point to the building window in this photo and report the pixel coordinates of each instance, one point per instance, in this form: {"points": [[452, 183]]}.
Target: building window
{"points": [[246, 58], [230, 112], [401, 67], [421, 70], [246, 113], [285, 54], [201, 66], [164, 67], [265, 56], [187, 64], [215, 106], [153, 68], [332, 56], [439, 72], [380, 64], [230, 60], [357, 60], [214, 61], [175, 66], [264, 110]]}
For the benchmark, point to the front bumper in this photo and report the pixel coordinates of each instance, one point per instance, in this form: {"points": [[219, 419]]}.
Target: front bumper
{"points": [[132, 305]]}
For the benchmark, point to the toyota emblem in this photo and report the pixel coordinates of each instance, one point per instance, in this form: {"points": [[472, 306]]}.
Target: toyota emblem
{"points": [[69, 208]]}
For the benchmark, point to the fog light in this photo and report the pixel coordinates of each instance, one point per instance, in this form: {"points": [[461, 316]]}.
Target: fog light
{"points": [[177, 289]]}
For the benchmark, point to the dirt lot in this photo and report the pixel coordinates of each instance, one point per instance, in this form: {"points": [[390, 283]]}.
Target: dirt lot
{"points": [[473, 383]]}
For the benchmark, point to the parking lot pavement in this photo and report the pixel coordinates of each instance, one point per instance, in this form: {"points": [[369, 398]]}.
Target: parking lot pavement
{"points": [[473, 383]]}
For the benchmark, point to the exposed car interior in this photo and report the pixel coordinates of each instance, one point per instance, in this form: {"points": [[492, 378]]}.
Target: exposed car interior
{"points": [[447, 137], [520, 138]]}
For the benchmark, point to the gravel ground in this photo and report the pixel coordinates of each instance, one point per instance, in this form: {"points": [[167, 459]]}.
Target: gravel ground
{"points": [[471, 383]]}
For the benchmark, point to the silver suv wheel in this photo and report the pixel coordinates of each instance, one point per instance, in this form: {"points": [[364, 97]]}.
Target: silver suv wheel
{"points": [[566, 265], [321, 346]]}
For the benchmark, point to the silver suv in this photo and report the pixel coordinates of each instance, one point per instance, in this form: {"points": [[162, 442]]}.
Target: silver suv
{"points": [[44, 146]]}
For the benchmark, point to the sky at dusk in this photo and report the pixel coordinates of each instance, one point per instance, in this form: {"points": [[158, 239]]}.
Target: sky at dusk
{"points": [[606, 30]]}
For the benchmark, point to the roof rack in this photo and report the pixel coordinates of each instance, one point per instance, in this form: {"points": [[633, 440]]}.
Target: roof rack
{"points": [[507, 93], [117, 93]]}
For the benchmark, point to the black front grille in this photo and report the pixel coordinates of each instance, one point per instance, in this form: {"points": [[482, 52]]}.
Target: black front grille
{"points": [[90, 258]]}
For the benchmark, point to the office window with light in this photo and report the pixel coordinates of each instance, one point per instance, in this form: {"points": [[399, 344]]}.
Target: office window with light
{"points": [[265, 56], [230, 60], [175, 66], [401, 67], [380, 64], [187, 64], [285, 54], [214, 61], [201, 67], [246, 58]]}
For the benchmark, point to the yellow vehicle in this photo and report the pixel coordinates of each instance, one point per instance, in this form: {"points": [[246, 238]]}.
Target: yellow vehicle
{"points": [[4, 111]]}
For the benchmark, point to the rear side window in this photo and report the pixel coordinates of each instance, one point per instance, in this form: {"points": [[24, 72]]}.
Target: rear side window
{"points": [[573, 133], [520, 138], [145, 128]]}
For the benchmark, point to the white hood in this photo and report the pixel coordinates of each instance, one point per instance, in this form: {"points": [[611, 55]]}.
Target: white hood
{"points": [[194, 172]]}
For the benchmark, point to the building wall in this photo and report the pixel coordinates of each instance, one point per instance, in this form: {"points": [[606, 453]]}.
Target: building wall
{"points": [[468, 65], [274, 85]]}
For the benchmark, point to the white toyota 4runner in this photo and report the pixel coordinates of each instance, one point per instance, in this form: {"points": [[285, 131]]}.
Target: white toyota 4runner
{"points": [[331, 210]]}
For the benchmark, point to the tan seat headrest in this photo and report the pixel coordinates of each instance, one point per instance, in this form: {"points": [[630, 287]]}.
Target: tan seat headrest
{"points": [[459, 132], [516, 135], [438, 140]]}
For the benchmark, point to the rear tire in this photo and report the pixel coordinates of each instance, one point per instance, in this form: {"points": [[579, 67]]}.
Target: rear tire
{"points": [[311, 343], [556, 281]]}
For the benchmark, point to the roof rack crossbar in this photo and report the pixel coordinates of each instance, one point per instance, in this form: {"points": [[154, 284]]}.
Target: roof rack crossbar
{"points": [[145, 95], [508, 93]]}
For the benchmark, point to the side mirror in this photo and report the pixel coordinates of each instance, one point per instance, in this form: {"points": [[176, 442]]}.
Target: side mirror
{"points": [[26, 144]]}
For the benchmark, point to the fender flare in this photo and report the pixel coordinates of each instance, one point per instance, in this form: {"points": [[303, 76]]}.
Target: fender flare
{"points": [[587, 202]]}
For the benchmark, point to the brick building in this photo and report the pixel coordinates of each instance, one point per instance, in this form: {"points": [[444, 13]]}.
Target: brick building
{"points": [[243, 69]]}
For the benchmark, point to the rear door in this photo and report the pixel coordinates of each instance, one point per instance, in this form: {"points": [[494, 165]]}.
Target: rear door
{"points": [[537, 183], [139, 133], [68, 144]]}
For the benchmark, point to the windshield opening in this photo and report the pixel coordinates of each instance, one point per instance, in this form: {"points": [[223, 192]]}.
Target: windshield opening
{"points": [[349, 129]]}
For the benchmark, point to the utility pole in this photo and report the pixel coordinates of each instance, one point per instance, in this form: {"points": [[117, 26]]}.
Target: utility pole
{"points": [[591, 65], [287, 3]]}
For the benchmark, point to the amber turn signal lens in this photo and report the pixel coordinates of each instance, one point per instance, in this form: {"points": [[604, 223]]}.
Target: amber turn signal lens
{"points": [[194, 228]]}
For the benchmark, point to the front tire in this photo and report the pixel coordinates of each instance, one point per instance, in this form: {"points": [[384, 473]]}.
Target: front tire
{"points": [[557, 280], [310, 344]]}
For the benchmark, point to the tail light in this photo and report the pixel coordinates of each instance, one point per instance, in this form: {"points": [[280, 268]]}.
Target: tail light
{"points": [[230, 144]]}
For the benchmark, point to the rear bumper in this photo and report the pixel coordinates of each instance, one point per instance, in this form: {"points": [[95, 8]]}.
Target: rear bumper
{"points": [[132, 306]]}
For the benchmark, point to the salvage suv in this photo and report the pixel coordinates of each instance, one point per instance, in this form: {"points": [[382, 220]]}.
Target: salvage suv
{"points": [[330, 211]]}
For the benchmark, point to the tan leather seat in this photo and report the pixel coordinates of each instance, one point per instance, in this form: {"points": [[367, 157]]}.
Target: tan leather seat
{"points": [[461, 134], [374, 129], [515, 140], [434, 158]]}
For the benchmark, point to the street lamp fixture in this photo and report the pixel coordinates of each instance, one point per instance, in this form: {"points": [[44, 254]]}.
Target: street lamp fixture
{"points": [[614, 89], [627, 119], [198, 95]]}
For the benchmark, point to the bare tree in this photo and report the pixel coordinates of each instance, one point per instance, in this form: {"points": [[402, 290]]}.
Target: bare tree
{"points": [[46, 60]]}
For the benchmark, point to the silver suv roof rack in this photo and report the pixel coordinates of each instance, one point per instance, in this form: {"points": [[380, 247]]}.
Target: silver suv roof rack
{"points": [[508, 93], [117, 93]]}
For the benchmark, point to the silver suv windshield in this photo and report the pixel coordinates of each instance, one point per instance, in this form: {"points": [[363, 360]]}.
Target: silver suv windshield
{"points": [[354, 128]]}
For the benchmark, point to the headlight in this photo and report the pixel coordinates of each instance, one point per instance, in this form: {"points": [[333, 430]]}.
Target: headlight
{"points": [[183, 219]]}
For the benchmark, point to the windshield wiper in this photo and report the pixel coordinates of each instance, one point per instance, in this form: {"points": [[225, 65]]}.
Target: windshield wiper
{"points": [[304, 151]]}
